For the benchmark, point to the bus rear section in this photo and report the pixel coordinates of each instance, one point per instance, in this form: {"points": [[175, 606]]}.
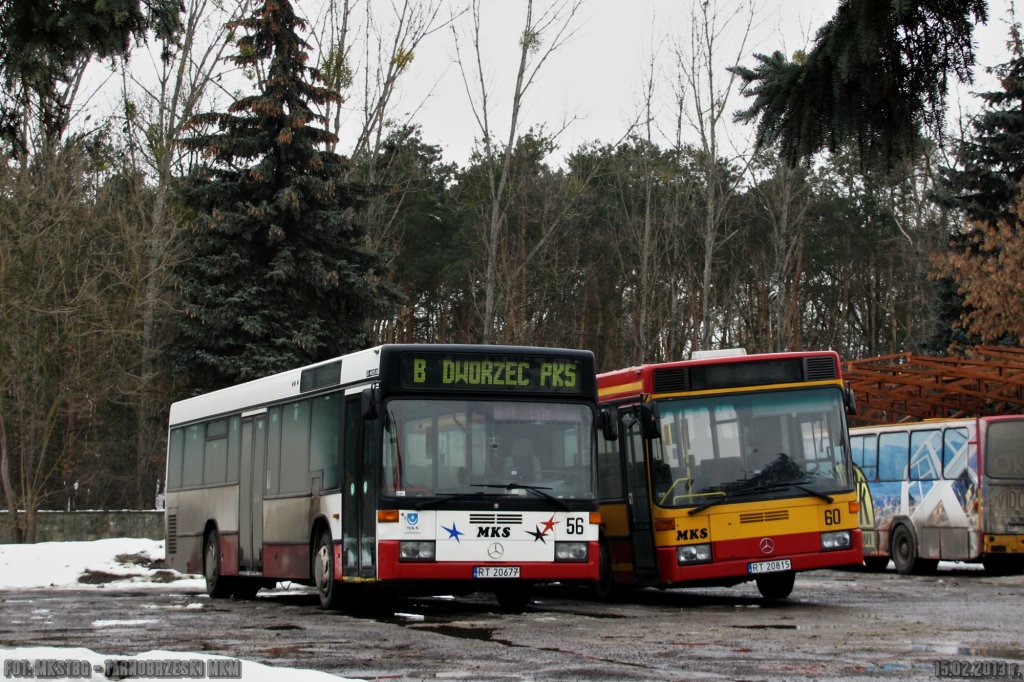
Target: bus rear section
{"points": [[408, 468], [950, 490], [728, 470]]}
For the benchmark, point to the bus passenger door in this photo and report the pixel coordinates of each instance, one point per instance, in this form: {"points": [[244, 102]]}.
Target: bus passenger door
{"points": [[359, 494], [645, 568], [251, 483]]}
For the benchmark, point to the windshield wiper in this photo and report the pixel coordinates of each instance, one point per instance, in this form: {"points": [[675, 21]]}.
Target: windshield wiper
{"points": [[761, 489], [450, 497], [535, 489]]}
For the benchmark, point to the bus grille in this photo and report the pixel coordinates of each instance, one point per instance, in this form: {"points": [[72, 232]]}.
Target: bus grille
{"points": [[672, 380], [764, 517], [172, 533], [819, 368], [496, 519]]}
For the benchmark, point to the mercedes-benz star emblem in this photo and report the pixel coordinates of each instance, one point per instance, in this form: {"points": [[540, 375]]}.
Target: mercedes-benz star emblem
{"points": [[767, 546], [495, 551]]}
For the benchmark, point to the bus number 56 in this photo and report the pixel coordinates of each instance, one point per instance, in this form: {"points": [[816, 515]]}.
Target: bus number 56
{"points": [[574, 525]]}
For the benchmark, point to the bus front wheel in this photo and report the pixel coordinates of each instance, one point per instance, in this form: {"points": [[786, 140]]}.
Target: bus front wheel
{"points": [[327, 587], [776, 585], [217, 585]]}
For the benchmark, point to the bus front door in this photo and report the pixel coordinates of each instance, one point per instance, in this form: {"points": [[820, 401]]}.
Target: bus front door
{"points": [[251, 482], [645, 568], [359, 494]]}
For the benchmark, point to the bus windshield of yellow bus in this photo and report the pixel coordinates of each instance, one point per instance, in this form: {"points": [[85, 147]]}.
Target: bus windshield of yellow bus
{"points": [[750, 446], [458, 447]]}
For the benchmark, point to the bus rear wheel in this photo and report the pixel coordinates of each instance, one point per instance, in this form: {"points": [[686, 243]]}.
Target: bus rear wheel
{"points": [[327, 587], [903, 550], [776, 585], [217, 585]]}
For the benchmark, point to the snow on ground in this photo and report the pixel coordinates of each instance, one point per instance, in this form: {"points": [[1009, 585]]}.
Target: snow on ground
{"points": [[116, 564], [126, 563]]}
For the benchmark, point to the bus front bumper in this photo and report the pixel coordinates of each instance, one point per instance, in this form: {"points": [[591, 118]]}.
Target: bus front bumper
{"points": [[390, 568], [732, 560]]}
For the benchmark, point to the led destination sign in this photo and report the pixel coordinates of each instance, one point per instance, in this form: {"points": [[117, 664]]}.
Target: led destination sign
{"points": [[491, 373]]}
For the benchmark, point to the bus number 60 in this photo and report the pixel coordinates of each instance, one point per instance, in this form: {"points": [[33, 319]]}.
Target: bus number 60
{"points": [[832, 517]]}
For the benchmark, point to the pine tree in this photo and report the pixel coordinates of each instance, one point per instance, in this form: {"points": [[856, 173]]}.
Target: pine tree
{"points": [[985, 183], [279, 273], [878, 72]]}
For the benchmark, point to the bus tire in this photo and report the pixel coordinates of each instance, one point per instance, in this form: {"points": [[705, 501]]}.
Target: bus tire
{"points": [[217, 585], [903, 549], [327, 587], [246, 588], [514, 599], [605, 584], [776, 585]]}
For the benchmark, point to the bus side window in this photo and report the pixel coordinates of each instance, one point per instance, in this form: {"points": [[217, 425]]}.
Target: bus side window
{"points": [[868, 456], [272, 481], [192, 469], [954, 442], [175, 455], [325, 437], [609, 470], [295, 448], [925, 452], [234, 448], [893, 456]]}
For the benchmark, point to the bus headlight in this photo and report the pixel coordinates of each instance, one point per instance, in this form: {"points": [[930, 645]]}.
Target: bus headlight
{"points": [[570, 551], [416, 550], [838, 539], [693, 554]]}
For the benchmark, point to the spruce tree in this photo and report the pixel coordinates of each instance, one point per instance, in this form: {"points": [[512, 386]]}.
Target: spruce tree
{"points": [[278, 273], [877, 74], [984, 185]]}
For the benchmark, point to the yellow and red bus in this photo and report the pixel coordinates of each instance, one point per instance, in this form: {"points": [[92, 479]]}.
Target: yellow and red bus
{"points": [[411, 467], [729, 468]]}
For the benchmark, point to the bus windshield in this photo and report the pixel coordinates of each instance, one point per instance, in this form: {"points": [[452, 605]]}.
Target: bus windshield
{"points": [[750, 446], [458, 447]]}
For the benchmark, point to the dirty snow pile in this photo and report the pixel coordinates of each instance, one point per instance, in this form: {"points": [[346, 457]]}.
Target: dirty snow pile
{"points": [[115, 564], [104, 564]]}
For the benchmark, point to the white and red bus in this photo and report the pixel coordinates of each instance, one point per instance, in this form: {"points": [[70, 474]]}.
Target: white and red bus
{"points": [[415, 467], [943, 489]]}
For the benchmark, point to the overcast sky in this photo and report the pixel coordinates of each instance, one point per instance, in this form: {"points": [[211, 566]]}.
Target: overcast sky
{"points": [[595, 80]]}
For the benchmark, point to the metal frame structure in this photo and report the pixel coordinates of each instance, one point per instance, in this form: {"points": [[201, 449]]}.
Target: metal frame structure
{"points": [[906, 387]]}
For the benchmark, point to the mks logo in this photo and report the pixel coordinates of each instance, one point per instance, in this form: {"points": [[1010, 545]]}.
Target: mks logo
{"points": [[493, 532], [692, 534]]}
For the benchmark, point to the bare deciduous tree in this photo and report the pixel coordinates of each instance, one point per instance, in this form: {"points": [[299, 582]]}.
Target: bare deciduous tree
{"points": [[542, 35]]}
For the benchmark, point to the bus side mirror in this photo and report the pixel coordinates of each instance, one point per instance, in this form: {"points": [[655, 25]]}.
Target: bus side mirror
{"points": [[368, 402], [850, 399], [650, 421], [608, 421]]}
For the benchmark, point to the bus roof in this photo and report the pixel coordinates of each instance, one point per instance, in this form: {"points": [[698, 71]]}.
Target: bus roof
{"points": [[360, 367], [675, 377]]}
